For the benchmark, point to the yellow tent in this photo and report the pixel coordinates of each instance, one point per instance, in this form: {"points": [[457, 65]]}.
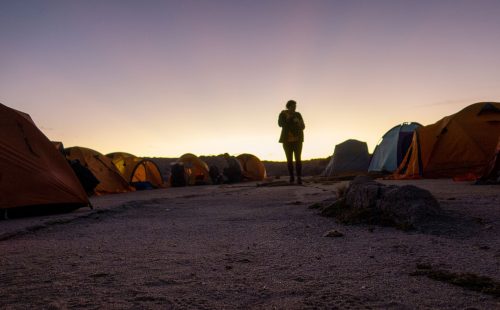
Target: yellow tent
{"points": [[196, 169], [459, 145], [253, 168], [111, 181], [137, 170]]}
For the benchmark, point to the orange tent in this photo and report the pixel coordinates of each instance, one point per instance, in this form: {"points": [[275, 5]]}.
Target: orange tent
{"points": [[32, 171], [253, 168], [111, 181], [459, 145], [135, 169], [493, 170], [196, 169]]}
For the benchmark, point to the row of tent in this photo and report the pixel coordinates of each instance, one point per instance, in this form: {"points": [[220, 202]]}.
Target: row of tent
{"points": [[32, 171], [465, 145], [198, 170], [37, 172]]}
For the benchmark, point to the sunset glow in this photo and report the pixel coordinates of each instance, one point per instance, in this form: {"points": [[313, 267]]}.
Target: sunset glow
{"points": [[163, 78]]}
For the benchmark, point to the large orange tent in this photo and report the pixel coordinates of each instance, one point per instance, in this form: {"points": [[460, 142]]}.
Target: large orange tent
{"points": [[137, 170], [32, 171], [110, 179], [459, 145], [253, 168]]}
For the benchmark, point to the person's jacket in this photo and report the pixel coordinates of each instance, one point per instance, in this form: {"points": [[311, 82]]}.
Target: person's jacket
{"points": [[294, 125]]}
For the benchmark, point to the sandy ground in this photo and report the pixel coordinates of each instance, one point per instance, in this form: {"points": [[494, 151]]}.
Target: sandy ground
{"points": [[227, 247]]}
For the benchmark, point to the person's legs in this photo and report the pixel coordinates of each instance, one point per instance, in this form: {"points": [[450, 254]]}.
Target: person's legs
{"points": [[298, 160], [288, 147]]}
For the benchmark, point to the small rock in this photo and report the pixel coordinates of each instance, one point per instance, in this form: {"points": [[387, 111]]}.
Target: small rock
{"points": [[333, 233], [229, 267]]}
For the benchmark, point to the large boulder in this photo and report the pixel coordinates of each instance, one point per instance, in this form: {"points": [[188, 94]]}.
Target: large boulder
{"points": [[367, 201], [409, 205], [363, 193]]}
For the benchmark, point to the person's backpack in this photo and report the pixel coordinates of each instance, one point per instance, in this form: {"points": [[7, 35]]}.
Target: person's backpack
{"points": [[177, 175]]}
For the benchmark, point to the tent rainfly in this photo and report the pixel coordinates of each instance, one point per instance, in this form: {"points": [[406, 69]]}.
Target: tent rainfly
{"points": [[33, 173], [137, 171], [110, 179], [196, 169], [458, 146], [492, 174], [349, 157], [392, 148], [253, 168]]}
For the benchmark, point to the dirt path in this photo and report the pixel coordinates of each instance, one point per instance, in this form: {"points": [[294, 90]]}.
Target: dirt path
{"points": [[235, 247]]}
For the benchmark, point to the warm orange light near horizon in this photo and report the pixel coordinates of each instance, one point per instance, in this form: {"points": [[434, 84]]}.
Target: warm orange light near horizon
{"points": [[321, 135]]}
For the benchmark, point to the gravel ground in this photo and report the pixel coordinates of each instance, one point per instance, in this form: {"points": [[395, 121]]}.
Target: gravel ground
{"points": [[227, 247]]}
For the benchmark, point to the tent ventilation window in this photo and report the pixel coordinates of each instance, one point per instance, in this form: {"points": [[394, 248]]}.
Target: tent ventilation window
{"points": [[489, 108]]}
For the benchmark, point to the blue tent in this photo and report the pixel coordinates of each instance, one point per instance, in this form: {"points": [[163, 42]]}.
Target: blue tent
{"points": [[392, 148]]}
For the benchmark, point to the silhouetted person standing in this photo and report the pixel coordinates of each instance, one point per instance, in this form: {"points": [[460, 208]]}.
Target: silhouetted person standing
{"points": [[292, 136]]}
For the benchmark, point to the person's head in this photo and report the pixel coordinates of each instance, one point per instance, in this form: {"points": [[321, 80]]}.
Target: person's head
{"points": [[291, 105]]}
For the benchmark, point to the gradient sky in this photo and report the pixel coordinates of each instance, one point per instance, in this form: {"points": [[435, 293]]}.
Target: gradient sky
{"points": [[162, 78]]}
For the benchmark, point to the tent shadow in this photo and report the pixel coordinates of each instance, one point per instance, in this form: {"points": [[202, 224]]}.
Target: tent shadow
{"points": [[38, 210]]}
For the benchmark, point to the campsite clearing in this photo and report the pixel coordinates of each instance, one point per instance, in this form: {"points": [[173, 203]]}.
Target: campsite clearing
{"points": [[244, 246]]}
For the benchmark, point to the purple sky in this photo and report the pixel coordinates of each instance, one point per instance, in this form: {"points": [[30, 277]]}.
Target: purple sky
{"points": [[161, 78]]}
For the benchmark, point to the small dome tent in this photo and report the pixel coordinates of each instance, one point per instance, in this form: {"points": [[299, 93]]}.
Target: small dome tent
{"points": [[196, 169], [111, 181], [349, 157], [253, 168], [392, 148], [458, 145], [137, 171], [33, 173]]}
